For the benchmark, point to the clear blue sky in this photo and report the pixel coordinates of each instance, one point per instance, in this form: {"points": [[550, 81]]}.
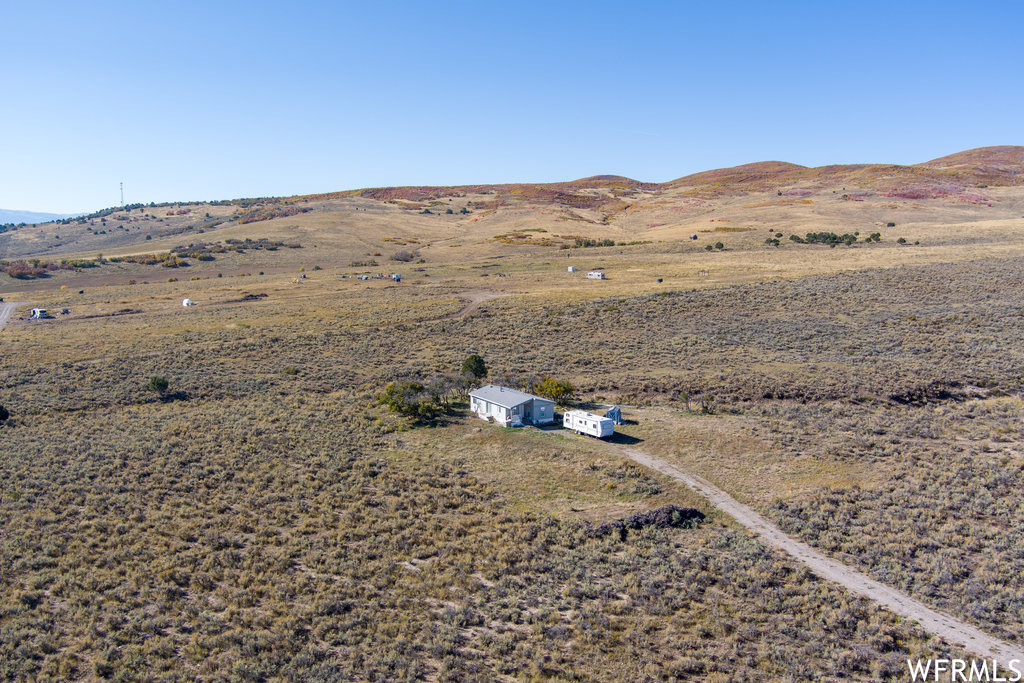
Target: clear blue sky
{"points": [[215, 100]]}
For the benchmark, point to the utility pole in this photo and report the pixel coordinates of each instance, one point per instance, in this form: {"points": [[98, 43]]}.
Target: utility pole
{"points": [[122, 194]]}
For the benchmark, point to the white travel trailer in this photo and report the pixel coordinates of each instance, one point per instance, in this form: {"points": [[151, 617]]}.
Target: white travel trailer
{"points": [[187, 302], [583, 422], [596, 275]]}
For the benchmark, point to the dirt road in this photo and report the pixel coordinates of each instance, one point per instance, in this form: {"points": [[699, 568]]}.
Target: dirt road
{"points": [[7, 310], [475, 299], [946, 627]]}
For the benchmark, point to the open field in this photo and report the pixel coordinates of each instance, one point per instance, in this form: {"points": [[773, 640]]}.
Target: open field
{"points": [[265, 517]]}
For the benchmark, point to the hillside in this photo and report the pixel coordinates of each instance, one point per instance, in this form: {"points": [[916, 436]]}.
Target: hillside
{"points": [[981, 184]]}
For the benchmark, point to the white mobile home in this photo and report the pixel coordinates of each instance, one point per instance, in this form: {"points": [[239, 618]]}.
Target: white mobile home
{"points": [[596, 275], [510, 407], [583, 422]]}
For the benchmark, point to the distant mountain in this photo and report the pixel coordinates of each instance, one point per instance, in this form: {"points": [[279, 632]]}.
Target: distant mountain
{"points": [[11, 216]]}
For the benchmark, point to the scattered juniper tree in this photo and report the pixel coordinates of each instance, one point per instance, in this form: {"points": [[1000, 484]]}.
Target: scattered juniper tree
{"points": [[474, 366], [158, 384]]}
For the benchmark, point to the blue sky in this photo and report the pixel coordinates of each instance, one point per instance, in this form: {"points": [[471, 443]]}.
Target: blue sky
{"points": [[217, 100]]}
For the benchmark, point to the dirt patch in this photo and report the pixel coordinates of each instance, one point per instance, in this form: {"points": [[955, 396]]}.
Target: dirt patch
{"points": [[247, 297], [473, 304]]}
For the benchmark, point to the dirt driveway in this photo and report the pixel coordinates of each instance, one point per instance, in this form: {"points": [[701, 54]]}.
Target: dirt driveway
{"points": [[948, 628]]}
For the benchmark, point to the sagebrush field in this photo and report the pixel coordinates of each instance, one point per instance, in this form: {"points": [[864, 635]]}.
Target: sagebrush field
{"points": [[263, 516]]}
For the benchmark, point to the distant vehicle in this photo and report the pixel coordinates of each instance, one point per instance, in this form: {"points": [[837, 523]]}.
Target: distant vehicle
{"points": [[38, 314], [583, 422], [596, 275], [64, 311]]}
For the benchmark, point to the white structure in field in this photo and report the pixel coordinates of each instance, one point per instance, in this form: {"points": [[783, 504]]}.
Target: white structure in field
{"points": [[596, 275], [583, 422], [187, 302], [572, 269], [509, 407]]}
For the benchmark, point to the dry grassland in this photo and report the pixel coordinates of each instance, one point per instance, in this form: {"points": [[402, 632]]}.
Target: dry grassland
{"points": [[268, 520]]}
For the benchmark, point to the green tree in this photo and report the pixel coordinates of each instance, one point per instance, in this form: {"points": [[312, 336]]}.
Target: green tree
{"points": [[158, 384], [474, 366], [412, 399]]}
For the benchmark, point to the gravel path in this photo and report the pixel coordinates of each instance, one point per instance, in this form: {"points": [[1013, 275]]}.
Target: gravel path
{"points": [[473, 301], [7, 310], [946, 627]]}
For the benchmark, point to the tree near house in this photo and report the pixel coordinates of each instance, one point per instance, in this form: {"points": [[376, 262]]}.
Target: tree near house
{"points": [[554, 389], [474, 366]]}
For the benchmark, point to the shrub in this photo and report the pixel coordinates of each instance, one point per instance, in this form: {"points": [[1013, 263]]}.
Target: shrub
{"points": [[4, 414], [901, 240], [158, 384], [556, 390], [404, 256], [25, 271], [410, 398]]}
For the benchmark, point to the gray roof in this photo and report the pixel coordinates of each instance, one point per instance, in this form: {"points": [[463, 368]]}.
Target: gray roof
{"points": [[504, 397]]}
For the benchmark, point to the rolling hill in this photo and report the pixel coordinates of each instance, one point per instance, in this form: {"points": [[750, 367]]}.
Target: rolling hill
{"points": [[978, 184]]}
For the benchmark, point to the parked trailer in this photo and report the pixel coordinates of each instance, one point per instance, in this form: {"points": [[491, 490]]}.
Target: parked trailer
{"points": [[583, 422]]}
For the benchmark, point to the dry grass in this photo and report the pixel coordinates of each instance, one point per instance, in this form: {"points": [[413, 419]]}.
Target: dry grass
{"points": [[267, 520]]}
